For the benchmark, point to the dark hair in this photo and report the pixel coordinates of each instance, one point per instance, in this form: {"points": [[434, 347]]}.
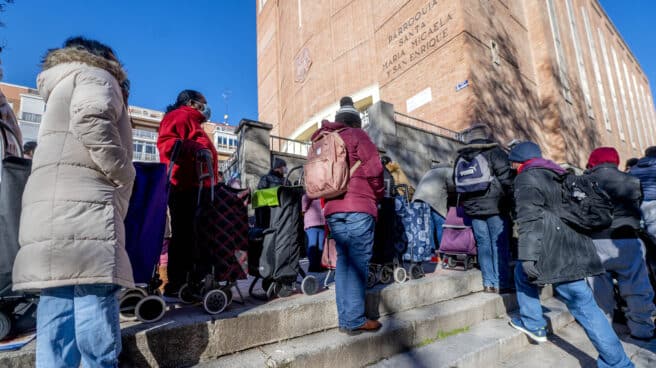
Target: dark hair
{"points": [[29, 146], [183, 98], [385, 160], [650, 151], [631, 162], [95, 47]]}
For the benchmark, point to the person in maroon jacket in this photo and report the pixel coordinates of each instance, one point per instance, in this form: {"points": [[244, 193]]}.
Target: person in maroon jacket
{"points": [[351, 218], [183, 122]]}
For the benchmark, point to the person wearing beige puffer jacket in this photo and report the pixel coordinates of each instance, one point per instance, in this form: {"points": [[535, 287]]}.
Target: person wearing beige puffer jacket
{"points": [[72, 235]]}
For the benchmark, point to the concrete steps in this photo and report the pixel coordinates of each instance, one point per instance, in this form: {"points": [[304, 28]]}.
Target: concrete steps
{"points": [[188, 336], [401, 332], [484, 344]]}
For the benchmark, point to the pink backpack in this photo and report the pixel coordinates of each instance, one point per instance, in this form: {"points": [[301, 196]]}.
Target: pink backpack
{"points": [[327, 171]]}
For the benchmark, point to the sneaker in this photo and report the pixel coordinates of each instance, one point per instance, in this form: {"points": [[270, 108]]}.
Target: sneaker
{"points": [[368, 326], [537, 335]]}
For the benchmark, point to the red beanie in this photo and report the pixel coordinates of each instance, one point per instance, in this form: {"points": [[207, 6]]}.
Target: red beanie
{"points": [[603, 155]]}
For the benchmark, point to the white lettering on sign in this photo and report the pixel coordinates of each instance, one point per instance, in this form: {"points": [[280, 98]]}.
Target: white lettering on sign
{"points": [[419, 100]]}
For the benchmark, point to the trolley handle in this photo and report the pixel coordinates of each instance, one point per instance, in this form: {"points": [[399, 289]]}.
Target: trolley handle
{"points": [[205, 170], [175, 152]]}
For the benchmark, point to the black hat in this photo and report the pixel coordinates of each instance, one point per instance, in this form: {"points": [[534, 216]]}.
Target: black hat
{"points": [[278, 163], [347, 113], [524, 151]]}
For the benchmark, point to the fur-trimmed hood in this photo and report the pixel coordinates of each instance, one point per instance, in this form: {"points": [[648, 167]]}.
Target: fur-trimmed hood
{"points": [[60, 63]]}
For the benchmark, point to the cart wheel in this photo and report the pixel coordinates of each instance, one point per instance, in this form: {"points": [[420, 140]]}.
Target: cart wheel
{"points": [[282, 290], [266, 284], [150, 309], [215, 301], [470, 263], [371, 278], [416, 272], [186, 295], [309, 285], [127, 304], [451, 262], [386, 274], [400, 275], [5, 325]]}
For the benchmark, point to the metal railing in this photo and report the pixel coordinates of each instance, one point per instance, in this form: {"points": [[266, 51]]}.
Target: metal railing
{"points": [[146, 134], [413, 122], [289, 146], [143, 156]]}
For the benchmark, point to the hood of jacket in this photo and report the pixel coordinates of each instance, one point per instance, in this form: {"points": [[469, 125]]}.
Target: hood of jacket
{"points": [[60, 63], [475, 147], [327, 126], [646, 162]]}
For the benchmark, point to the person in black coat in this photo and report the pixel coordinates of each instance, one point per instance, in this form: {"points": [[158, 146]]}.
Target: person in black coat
{"points": [[489, 209], [550, 252], [619, 247], [276, 176]]}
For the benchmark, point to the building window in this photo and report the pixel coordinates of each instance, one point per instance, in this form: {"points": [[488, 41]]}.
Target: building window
{"points": [[262, 3], [597, 71], [28, 116], [611, 84], [579, 58], [623, 95], [648, 116], [560, 54], [634, 112]]}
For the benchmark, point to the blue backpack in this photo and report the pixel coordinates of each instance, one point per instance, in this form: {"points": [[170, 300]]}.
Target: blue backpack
{"points": [[473, 176]]}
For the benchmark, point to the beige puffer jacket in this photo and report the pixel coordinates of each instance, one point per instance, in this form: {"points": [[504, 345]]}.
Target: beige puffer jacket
{"points": [[75, 201]]}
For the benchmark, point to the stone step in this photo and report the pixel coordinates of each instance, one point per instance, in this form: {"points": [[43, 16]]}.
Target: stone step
{"points": [[483, 345], [187, 335], [570, 347], [401, 332]]}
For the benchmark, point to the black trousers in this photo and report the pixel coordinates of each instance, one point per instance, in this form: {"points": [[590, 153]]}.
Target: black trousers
{"points": [[182, 205]]}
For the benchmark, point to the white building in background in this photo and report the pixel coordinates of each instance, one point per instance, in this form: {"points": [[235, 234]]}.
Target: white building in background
{"points": [[29, 108]]}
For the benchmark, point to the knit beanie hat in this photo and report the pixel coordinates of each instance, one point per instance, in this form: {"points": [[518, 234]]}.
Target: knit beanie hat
{"points": [[522, 152], [278, 163], [476, 132], [603, 155], [347, 113]]}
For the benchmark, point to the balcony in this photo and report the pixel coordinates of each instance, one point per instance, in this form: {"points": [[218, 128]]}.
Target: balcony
{"points": [[144, 134], [289, 146], [147, 157]]}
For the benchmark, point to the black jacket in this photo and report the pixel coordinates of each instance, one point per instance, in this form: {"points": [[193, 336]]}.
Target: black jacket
{"points": [[496, 200], [624, 190], [561, 254], [270, 180]]}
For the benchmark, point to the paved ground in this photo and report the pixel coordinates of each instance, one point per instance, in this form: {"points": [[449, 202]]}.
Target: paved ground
{"points": [[570, 348]]}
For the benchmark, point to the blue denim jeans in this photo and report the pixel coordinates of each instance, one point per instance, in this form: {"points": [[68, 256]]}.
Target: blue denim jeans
{"points": [[624, 260], [354, 239], [438, 222], [78, 324], [491, 235], [580, 301], [315, 237]]}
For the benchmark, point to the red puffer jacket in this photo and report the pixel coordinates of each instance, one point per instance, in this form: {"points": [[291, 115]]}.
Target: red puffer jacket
{"points": [[365, 186], [184, 123]]}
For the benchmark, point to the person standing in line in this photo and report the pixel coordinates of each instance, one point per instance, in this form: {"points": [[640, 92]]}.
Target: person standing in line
{"points": [[645, 170], [630, 163], [313, 222], [351, 218], [182, 122], [488, 208], [71, 234], [551, 252], [28, 149], [619, 247]]}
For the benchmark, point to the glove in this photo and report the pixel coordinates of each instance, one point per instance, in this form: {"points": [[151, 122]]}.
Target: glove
{"points": [[530, 269]]}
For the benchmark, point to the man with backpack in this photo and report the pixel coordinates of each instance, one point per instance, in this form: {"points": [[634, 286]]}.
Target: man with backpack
{"points": [[344, 168], [621, 251], [483, 181], [645, 170], [552, 252]]}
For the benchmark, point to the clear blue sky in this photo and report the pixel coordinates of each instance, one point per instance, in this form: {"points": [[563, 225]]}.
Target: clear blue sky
{"points": [[166, 46], [207, 45]]}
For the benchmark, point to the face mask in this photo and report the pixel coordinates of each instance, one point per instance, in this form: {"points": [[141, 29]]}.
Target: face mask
{"points": [[207, 112]]}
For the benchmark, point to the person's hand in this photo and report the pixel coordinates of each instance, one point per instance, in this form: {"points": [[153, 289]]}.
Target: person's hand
{"points": [[530, 269]]}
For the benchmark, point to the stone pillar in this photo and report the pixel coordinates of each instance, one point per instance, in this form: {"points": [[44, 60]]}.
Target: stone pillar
{"points": [[254, 155]]}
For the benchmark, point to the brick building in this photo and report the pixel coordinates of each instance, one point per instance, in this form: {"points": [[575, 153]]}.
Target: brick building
{"points": [[555, 71]]}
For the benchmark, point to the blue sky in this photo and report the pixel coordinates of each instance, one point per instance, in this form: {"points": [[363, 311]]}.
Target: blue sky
{"points": [[207, 45]]}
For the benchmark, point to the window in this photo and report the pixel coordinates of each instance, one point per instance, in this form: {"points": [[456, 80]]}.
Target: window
{"points": [[597, 72], [28, 116], [633, 122], [648, 113], [623, 95], [579, 58], [560, 54], [150, 149], [640, 110], [611, 85]]}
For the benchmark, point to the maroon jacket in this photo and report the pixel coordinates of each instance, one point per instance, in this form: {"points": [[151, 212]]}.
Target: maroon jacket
{"points": [[365, 186]]}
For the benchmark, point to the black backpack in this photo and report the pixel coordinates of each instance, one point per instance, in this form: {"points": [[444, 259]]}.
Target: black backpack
{"points": [[585, 206]]}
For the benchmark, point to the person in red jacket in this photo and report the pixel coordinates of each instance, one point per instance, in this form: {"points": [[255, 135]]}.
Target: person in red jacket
{"points": [[183, 122], [351, 218]]}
